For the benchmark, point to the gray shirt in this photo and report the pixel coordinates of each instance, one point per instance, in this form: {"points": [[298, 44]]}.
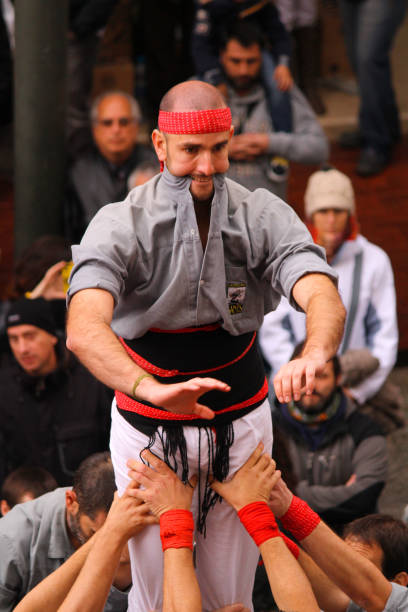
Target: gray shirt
{"points": [[306, 143], [397, 601], [147, 252], [34, 542]]}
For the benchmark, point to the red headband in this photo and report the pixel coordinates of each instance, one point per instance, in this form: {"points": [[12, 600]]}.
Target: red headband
{"points": [[195, 122]]}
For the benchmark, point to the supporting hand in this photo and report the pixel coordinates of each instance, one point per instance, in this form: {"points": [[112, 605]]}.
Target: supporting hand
{"points": [[280, 498], [128, 515], [252, 482], [163, 490]]}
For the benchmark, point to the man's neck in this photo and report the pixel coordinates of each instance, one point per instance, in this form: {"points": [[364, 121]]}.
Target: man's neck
{"points": [[203, 214]]}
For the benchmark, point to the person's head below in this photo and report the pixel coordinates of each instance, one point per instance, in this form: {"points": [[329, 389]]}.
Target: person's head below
{"points": [[143, 173], [24, 484], [383, 540], [32, 336], [115, 118], [88, 503], [327, 383], [241, 56], [330, 209], [193, 133]]}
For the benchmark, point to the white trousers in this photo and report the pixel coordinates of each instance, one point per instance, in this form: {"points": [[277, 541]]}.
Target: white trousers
{"points": [[227, 557]]}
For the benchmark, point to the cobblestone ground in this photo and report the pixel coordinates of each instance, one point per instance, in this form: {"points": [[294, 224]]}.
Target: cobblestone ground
{"points": [[395, 494]]}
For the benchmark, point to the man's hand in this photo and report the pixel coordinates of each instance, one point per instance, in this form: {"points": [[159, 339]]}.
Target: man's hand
{"points": [[181, 398], [325, 315], [253, 482], [128, 515], [283, 77], [280, 498], [163, 490], [246, 147], [298, 376]]}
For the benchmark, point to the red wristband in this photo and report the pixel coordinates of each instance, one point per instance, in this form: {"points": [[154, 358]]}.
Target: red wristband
{"points": [[293, 547], [300, 519], [176, 529], [259, 521]]}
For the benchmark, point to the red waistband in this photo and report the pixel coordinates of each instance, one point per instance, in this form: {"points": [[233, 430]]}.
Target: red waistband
{"points": [[125, 402]]}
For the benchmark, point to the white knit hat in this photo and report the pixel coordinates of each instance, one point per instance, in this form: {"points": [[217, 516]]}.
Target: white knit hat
{"points": [[329, 189]]}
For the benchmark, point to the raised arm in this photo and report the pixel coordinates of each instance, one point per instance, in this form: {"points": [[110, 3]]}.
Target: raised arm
{"points": [[247, 492], [170, 501], [353, 574], [325, 316], [127, 517], [91, 338], [69, 588]]}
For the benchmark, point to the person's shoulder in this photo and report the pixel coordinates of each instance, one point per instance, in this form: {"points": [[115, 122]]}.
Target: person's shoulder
{"points": [[301, 107], [398, 597], [297, 97], [361, 426], [371, 250], [138, 201], [90, 158], [23, 518]]}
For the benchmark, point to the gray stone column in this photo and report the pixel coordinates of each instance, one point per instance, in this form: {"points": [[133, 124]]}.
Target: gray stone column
{"points": [[39, 118]]}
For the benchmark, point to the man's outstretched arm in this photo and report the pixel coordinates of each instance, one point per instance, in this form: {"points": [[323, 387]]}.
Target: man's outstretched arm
{"points": [[91, 338], [351, 572], [325, 316]]}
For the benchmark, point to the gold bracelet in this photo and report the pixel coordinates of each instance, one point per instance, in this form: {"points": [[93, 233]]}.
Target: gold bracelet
{"points": [[138, 381]]}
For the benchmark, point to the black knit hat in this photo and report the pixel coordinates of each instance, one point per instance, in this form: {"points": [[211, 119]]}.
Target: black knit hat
{"points": [[32, 312]]}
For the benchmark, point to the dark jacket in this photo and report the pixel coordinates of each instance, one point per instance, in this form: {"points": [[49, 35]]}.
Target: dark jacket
{"points": [[54, 421], [350, 443]]}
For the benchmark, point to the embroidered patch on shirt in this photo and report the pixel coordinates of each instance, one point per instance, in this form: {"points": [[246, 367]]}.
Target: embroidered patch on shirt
{"points": [[236, 296]]}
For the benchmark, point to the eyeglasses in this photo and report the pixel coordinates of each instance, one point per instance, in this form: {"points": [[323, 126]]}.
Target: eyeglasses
{"points": [[122, 121]]}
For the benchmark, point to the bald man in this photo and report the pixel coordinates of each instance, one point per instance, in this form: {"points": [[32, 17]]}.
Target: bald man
{"points": [[168, 291]]}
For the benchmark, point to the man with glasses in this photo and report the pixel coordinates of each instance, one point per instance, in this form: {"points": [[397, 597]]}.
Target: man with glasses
{"points": [[100, 176]]}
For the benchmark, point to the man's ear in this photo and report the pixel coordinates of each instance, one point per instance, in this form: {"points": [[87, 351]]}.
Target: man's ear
{"points": [[71, 502], [4, 507], [160, 146], [401, 578]]}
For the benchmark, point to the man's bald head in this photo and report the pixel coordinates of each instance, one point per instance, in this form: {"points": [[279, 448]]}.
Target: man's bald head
{"points": [[192, 96]]}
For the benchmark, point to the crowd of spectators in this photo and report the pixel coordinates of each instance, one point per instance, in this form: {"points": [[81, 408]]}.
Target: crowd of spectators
{"points": [[64, 531]]}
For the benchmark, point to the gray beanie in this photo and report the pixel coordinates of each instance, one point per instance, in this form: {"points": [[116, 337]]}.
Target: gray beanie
{"points": [[329, 189]]}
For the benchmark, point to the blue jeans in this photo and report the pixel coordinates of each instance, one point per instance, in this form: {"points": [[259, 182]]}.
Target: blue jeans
{"points": [[369, 28], [279, 106]]}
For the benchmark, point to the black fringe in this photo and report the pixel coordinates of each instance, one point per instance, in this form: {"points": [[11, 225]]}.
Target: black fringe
{"points": [[172, 440]]}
